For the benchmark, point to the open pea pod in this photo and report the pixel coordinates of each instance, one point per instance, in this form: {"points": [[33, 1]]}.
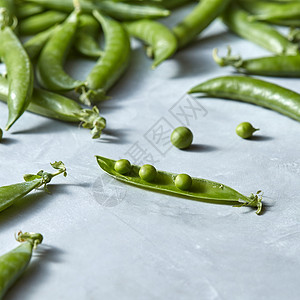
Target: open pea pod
{"points": [[201, 189]]}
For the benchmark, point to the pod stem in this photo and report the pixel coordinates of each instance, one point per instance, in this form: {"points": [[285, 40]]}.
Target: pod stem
{"points": [[91, 119], [76, 5], [31, 237], [46, 177], [254, 201], [228, 60], [88, 96]]}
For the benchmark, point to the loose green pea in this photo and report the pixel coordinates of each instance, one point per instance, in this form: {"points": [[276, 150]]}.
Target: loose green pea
{"points": [[183, 182], [122, 166], [181, 137], [1, 134], [147, 173], [245, 130]]}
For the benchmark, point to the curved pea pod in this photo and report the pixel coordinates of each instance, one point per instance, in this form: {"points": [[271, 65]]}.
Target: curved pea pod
{"points": [[263, 34], [87, 37], [111, 65], [201, 189], [14, 263], [252, 90], [40, 22], [161, 41], [279, 65], [12, 193], [50, 72], [19, 70], [118, 10], [58, 107], [201, 16]]}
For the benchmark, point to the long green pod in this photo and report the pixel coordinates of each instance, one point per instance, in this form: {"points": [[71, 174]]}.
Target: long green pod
{"points": [[118, 10], [252, 90], [87, 37], [172, 4], [61, 108], [200, 17], [25, 10], [14, 263], [50, 72], [279, 65], [19, 70], [164, 182], [237, 20], [35, 45], [112, 63], [40, 22], [267, 11], [10, 194], [161, 41]]}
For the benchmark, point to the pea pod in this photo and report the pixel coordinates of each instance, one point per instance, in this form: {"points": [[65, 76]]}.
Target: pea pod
{"points": [[112, 63], [50, 72], [161, 41], [40, 22], [14, 263], [202, 15], [279, 65], [12, 193], [19, 70], [253, 91], [268, 11], [35, 45], [58, 107], [237, 20], [25, 10], [87, 37], [118, 10], [164, 182]]}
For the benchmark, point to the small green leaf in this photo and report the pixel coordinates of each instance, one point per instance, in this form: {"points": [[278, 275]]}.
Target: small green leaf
{"points": [[31, 177]]}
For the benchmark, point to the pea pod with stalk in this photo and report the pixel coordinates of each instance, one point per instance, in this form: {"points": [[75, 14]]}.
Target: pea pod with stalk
{"points": [[263, 34], [161, 41], [14, 263], [87, 37], [10, 194], [164, 182], [118, 10], [252, 90], [201, 16], [19, 70], [50, 72], [40, 22], [279, 65], [58, 107], [111, 65]]}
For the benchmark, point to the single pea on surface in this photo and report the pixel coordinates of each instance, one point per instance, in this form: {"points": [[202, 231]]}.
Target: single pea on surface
{"points": [[183, 182], [182, 137], [122, 166], [1, 134], [147, 173], [245, 130]]}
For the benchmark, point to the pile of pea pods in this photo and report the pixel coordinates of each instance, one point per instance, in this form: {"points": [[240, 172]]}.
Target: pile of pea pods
{"points": [[37, 81]]}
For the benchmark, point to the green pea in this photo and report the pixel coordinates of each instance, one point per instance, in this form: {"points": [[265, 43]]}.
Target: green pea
{"points": [[245, 130], [183, 182], [147, 173], [181, 137], [122, 166], [1, 134]]}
